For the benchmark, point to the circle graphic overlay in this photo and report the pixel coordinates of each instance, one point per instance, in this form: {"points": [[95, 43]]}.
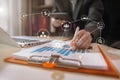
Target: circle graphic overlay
{"points": [[57, 75], [43, 33], [84, 18], [45, 12], [100, 40], [100, 25], [57, 44], [66, 26]]}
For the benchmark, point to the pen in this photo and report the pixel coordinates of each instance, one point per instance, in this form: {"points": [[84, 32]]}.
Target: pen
{"points": [[76, 31], [73, 47]]}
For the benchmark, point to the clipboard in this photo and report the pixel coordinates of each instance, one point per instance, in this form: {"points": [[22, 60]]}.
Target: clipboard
{"points": [[111, 71]]}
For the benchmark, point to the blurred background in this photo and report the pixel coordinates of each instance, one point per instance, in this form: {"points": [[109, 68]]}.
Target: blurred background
{"points": [[16, 16]]}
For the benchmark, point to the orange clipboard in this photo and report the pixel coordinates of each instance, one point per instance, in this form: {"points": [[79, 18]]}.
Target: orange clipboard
{"points": [[111, 72]]}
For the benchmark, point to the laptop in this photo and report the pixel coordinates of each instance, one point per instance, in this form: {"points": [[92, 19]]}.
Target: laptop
{"points": [[21, 41]]}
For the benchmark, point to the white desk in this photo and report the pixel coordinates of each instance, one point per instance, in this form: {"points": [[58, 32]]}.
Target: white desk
{"points": [[9, 71]]}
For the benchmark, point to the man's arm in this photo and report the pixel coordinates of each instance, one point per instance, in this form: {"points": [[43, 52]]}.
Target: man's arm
{"points": [[95, 15]]}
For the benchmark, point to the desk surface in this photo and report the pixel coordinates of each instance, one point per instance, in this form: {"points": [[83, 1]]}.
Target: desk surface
{"points": [[9, 71]]}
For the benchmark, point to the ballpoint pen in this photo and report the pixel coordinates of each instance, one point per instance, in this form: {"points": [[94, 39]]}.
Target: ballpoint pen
{"points": [[73, 43], [76, 31]]}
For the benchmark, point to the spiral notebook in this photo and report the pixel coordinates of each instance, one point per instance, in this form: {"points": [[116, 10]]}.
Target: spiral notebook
{"points": [[91, 61]]}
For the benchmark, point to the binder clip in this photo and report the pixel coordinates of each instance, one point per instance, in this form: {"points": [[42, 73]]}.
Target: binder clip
{"points": [[54, 60], [46, 61]]}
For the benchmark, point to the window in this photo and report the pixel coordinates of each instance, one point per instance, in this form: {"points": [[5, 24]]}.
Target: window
{"points": [[10, 15]]}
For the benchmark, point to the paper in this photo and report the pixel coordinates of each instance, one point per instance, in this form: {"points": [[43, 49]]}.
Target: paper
{"points": [[93, 60]]}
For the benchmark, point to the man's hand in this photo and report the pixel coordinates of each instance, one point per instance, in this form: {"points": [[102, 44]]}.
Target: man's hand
{"points": [[81, 40]]}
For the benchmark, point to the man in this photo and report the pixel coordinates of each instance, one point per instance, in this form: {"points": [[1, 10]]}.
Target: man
{"points": [[75, 10]]}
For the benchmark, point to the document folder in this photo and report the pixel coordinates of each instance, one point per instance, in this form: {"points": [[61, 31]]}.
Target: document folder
{"points": [[85, 61]]}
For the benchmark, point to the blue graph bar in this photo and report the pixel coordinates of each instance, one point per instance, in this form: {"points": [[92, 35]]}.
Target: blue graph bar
{"points": [[62, 51]]}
